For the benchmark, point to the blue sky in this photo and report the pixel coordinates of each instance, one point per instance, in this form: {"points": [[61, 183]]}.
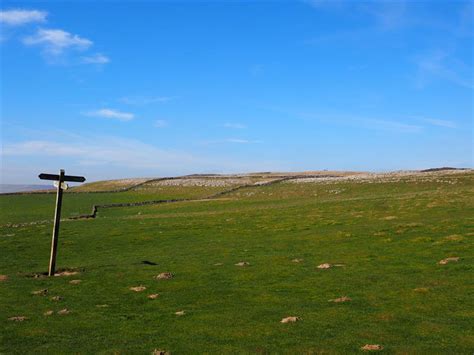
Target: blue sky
{"points": [[118, 89]]}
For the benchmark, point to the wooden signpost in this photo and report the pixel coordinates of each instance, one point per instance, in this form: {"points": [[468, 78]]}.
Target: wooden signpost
{"points": [[61, 185]]}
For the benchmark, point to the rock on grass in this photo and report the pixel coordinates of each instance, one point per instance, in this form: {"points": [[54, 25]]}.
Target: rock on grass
{"points": [[164, 276], [341, 299], [324, 266], [290, 320], [242, 263], [18, 318], [153, 296], [328, 266], [138, 288], [66, 273], [371, 347], [3, 278], [64, 311], [448, 260], [42, 292]]}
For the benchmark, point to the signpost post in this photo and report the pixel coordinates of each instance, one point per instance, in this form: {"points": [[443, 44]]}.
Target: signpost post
{"points": [[61, 185]]}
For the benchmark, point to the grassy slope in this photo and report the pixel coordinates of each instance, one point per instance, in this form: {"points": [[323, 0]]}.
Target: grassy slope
{"points": [[232, 309], [34, 207]]}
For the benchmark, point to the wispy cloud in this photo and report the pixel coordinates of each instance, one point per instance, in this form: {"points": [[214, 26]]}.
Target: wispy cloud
{"points": [[55, 41], [440, 65], [18, 17], [116, 157], [97, 58], [231, 141], [160, 123], [238, 140], [343, 119], [145, 100], [234, 125], [103, 150], [388, 125], [112, 114], [386, 15], [440, 123]]}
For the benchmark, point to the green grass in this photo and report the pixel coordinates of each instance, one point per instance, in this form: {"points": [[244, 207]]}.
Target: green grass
{"points": [[390, 237], [34, 207]]}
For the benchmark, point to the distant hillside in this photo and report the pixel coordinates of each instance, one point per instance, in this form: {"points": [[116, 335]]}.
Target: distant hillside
{"points": [[8, 188]]}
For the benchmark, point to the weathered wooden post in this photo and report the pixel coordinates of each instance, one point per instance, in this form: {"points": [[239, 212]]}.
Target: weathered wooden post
{"points": [[61, 179], [57, 220]]}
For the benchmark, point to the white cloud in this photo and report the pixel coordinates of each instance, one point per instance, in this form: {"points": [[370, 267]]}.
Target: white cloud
{"points": [[145, 100], [55, 41], [96, 151], [231, 140], [440, 65], [160, 123], [234, 125], [237, 140], [440, 123], [43, 147], [390, 125], [113, 114], [19, 17], [97, 58], [99, 157], [388, 14], [351, 121]]}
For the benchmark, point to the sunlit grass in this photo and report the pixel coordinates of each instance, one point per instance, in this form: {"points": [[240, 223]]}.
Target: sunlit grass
{"points": [[388, 237]]}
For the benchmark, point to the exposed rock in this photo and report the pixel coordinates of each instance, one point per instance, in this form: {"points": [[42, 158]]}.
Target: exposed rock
{"points": [[159, 352], [66, 273], [371, 347], [324, 266], [341, 299], [290, 319], [138, 288], [242, 263], [448, 260], [164, 276], [42, 292]]}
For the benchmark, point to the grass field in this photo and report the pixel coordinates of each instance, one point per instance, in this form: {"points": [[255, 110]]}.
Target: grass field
{"points": [[387, 236]]}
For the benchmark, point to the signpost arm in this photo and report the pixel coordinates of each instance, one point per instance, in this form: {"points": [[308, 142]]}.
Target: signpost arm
{"points": [[57, 219]]}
